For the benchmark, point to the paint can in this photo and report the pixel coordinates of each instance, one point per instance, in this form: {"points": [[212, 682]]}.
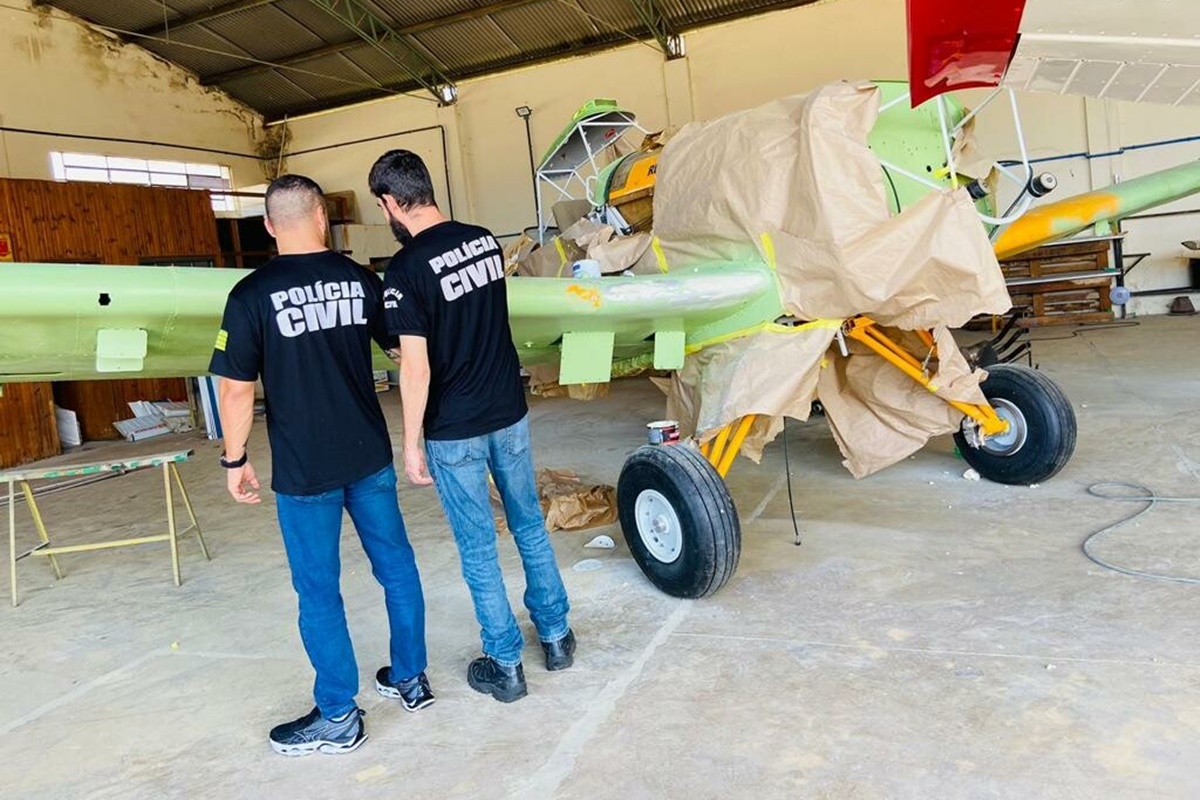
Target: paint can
{"points": [[586, 268], [663, 431]]}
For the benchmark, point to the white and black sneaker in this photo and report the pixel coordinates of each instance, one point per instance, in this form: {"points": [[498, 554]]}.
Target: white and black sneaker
{"points": [[313, 733], [413, 693]]}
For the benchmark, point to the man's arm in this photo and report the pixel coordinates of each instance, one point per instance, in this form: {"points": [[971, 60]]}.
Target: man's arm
{"points": [[414, 394], [236, 403]]}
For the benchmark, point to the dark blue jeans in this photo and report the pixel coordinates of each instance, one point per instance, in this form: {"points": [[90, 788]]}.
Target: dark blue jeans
{"points": [[312, 529], [460, 472]]}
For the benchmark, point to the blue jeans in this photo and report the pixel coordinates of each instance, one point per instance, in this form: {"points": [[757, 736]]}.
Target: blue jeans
{"points": [[312, 530], [460, 472]]}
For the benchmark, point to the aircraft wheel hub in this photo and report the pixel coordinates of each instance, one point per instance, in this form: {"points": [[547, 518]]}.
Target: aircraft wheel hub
{"points": [[658, 526]]}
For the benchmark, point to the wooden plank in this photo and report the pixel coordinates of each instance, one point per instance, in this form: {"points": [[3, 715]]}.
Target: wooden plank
{"points": [[1061, 301], [82, 469], [107, 223], [28, 428], [1063, 286], [1065, 319]]}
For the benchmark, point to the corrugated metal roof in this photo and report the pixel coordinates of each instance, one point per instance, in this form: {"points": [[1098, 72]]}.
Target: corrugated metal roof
{"points": [[535, 30], [182, 7], [697, 12], [410, 12], [327, 60], [476, 41], [133, 15], [612, 14], [329, 76], [273, 94], [245, 29], [197, 50], [326, 26], [376, 64]]}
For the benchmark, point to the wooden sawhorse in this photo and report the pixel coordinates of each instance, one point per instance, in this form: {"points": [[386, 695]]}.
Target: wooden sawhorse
{"points": [[168, 463]]}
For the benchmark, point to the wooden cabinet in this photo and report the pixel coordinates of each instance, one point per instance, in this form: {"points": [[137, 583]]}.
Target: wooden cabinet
{"points": [[50, 221], [28, 430], [98, 404]]}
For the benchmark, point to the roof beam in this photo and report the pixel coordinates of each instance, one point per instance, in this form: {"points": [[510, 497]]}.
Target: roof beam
{"points": [[331, 49], [660, 27], [216, 12], [378, 33]]}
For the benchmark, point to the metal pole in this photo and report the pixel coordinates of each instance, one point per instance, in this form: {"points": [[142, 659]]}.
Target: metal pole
{"points": [[1118, 247], [12, 540], [537, 205], [171, 522]]}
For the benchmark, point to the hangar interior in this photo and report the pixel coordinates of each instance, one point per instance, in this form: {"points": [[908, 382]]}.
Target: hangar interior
{"points": [[885, 622]]}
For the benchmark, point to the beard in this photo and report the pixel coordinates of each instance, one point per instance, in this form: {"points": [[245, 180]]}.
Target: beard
{"points": [[399, 231]]}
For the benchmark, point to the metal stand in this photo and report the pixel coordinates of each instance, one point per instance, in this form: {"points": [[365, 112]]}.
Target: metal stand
{"points": [[169, 470]]}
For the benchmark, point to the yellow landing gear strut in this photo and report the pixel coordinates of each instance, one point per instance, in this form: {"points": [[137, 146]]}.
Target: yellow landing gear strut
{"points": [[866, 331], [723, 449], [680, 522]]}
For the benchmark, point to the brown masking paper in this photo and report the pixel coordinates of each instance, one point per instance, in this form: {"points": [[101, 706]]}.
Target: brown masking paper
{"points": [[794, 183]]}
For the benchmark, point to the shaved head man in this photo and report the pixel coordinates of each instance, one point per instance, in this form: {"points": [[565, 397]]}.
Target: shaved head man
{"points": [[304, 324], [294, 201]]}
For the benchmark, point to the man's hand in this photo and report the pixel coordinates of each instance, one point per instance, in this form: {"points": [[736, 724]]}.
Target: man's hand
{"points": [[238, 479], [415, 468]]}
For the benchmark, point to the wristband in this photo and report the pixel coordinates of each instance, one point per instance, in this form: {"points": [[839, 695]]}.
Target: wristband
{"points": [[241, 462]]}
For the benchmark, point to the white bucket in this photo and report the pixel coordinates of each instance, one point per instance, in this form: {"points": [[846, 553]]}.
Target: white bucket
{"points": [[586, 268]]}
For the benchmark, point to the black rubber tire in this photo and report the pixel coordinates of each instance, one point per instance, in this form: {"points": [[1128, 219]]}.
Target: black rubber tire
{"points": [[710, 531], [1050, 428]]}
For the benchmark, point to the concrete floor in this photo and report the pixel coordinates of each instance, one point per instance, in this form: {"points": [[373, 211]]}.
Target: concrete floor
{"points": [[933, 637]]}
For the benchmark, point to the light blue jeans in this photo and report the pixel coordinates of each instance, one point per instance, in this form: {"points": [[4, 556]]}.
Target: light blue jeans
{"points": [[460, 472], [312, 533]]}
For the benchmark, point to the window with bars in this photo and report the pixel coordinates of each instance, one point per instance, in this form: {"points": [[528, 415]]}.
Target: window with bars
{"points": [[146, 172]]}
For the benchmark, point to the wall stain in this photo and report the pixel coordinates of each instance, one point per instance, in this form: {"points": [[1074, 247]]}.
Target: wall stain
{"points": [[107, 59]]}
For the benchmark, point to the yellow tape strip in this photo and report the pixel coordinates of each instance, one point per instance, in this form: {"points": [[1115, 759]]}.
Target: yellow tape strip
{"points": [[772, 327], [562, 255], [769, 250], [659, 255]]}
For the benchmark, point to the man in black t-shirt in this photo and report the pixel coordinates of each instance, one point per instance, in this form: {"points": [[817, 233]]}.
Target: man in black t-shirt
{"points": [[444, 296], [304, 324]]}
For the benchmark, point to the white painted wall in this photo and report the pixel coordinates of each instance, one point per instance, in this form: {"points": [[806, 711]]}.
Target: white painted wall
{"points": [[729, 67], [62, 77], [1057, 126]]}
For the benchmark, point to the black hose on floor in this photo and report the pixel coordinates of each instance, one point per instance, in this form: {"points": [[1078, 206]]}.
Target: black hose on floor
{"points": [[1143, 495], [787, 466]]}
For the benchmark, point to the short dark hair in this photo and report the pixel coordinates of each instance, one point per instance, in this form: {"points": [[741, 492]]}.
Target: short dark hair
{"points": [[403, 175], [289, 193]]}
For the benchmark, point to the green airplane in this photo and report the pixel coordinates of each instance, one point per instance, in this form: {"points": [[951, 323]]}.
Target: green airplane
{"points": [[73, 322]]}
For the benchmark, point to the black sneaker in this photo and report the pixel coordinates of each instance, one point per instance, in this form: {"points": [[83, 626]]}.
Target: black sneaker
{"points": [[560, 653], [506, 684], [414, 693], [314, 733]]}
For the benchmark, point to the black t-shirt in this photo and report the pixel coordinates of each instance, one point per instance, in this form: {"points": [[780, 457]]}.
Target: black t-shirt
{"points": [[305, 324], [448, 286]]}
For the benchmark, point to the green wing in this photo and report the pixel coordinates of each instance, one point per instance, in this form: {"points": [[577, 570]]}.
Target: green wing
{"points": [[74, 322]]}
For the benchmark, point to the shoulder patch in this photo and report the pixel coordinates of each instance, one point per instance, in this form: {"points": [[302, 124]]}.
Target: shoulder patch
{"points": [[392, 297], [222, 340]]}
